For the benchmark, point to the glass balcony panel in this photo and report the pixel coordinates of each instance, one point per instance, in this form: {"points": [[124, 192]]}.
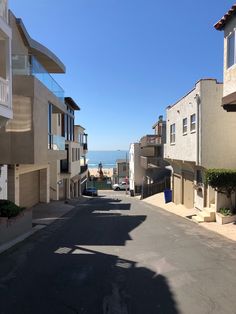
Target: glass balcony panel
{"points": [[29, 65], [3, 10], [58, 142], [4, 93]]}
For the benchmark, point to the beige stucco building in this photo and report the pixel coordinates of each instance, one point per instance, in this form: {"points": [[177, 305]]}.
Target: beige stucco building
{"points": [[199, 137], [6, 112], [31, 141], [228, 24], [152, 152], [82, 139]]}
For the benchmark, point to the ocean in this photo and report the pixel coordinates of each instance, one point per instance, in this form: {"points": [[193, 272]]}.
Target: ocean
{"points": [[107, 158]]}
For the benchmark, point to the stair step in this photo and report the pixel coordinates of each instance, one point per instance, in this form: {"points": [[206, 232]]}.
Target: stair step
{"points": [[213, 206], [197, 219]]}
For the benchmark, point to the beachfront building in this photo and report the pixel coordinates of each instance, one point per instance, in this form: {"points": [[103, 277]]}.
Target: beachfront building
{"points": [[136, 172], [65, 173], [152, 153], [197, 127], [121, 171], [82, 139], [6, 112], [228, 24], [30, 142]]}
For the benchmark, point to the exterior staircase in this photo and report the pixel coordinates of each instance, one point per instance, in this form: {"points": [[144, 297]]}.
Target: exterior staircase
{"points": [[208, 214]]}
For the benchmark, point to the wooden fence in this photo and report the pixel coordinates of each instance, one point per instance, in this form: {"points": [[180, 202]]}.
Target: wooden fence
{"points": [[151, 189]]}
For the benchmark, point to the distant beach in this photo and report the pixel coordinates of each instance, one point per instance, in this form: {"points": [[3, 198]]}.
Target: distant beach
{"points": [[108, 160]]}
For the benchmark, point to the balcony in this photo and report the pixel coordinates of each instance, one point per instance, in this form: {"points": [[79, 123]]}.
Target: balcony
{"points": [[4, 93], [29, 65], [4, 10], [83, 169], [151, 140], [56, 142], [151, 162]]}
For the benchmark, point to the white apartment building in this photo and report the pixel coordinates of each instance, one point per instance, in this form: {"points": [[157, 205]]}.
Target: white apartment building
{"points": [[136, 172], [199, 137], [5, 84]]}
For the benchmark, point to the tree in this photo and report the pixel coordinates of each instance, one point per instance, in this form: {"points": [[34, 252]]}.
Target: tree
{"points": [[223, 181]]}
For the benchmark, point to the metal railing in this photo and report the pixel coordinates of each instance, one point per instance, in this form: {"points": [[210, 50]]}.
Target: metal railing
{"points": [[152, 162], [29, 65], [151, 140], [83, 168], [4, 9], [4, 93]]}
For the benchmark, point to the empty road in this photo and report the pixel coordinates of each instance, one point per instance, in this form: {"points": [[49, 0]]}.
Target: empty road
{"points": [[115, 254]]}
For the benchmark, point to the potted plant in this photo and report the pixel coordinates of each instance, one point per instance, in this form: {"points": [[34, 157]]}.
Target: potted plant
{"points": [[225, 215]]}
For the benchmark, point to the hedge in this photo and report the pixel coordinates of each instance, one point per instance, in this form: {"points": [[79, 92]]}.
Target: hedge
{"points": [[221, 179], [9, 209]]}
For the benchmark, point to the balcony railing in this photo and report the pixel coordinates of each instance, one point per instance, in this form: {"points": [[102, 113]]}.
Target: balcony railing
{"points": [[29, 65], [151, 162], [149, 140], [56, 142], [4, 10], [83, 168], [4, 93]]}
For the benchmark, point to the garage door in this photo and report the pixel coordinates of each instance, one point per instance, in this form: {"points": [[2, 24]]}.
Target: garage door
{"points": [[177, 189], [188, 190], [29, 189]]}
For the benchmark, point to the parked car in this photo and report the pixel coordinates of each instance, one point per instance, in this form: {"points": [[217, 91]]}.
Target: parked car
{"points": [[120, 186], [90, 192]]}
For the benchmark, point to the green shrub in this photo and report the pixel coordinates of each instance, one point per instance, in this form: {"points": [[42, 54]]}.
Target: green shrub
{"points": [[225, 211], [9, 209], [223, 181]]}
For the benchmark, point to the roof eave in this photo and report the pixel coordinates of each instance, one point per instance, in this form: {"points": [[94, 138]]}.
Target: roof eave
{"points": [[46, 57]]}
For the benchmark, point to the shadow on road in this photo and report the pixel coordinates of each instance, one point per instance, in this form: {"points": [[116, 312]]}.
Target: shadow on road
{"points": [[70, 269], [97, 283]]}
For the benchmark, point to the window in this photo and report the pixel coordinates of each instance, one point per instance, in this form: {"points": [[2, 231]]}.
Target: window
{"points": [[172, 133], [231, 50], [185, 125], [193, 122]]}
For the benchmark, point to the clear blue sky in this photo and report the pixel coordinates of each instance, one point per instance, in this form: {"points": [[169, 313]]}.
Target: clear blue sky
{"points": [[127, 60]]}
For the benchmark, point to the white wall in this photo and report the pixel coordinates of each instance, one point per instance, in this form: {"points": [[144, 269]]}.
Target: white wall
{"points": [[136, 172], [3, 182], [185, 145]]}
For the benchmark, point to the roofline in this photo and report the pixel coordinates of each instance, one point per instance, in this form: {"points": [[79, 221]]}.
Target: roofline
{"points": [[80, 126], [202, 79], [220, 25], [70, 101], [41, 52]]}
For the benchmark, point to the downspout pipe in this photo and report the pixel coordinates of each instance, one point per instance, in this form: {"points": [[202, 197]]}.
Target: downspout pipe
{"points": [[198, 102]]}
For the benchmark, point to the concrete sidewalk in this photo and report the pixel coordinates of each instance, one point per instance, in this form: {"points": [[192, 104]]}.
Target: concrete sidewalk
{"points": [[227, 230], [44, 214]]}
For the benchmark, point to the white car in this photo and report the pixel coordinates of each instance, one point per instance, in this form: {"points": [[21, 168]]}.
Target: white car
{"points": [[121, 186]]}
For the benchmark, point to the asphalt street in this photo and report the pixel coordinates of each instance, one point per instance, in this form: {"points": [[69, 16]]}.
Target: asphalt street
{"points": [[115, 254]]}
